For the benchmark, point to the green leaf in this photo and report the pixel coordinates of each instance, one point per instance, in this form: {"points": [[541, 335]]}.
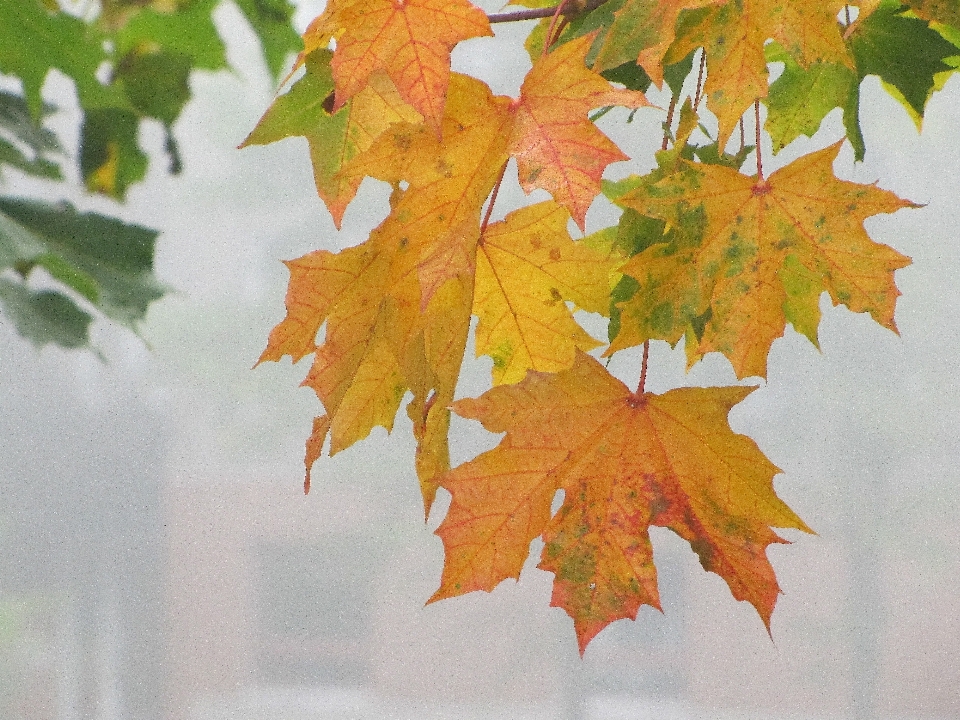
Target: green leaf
{"points": [[710, 155], [272, 22], [675, 73], [905, 52], [801, 98], [11, 155], [110, 156], [107, 261], [189, 31], [156, 83], [33, 40], [15, 119], [44, 316], [851, 123], [630, 75], [304, 109]]}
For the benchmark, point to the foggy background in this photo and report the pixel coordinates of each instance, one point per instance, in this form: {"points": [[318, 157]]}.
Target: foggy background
{"points": [[158, 558]]}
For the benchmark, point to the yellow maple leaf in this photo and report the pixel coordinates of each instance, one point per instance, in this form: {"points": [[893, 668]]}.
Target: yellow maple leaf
{"points": [[394, 319], [527, 267], [625, 461], [334, 138], [765, 252]]}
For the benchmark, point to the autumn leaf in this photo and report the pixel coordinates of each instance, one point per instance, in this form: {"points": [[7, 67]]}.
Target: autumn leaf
{"points": [[768, 249], [334, 138], [410, 41], [733, 36], [557, 148], [625, 462], [439, 214], [527, 267], [642, 32], [397, 318]]}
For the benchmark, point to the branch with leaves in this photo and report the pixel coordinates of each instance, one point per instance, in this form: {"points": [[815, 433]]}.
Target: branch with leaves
{"points": [[705, 252]]}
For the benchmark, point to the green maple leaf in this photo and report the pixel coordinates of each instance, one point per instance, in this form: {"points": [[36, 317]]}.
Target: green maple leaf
{"points": [[801, 98], [906, 54]]}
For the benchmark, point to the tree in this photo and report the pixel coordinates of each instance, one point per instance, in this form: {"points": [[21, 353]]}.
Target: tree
{"points": [[709, 250], [131, 63]]}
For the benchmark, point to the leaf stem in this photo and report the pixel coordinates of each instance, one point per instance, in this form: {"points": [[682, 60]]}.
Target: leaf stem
{"points": [[756, 110], [667, 134], [493, 199], [703, 64], [643, 368], [743, 135], [549, 38]]}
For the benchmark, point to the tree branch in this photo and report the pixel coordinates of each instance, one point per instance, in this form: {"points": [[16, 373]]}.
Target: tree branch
{"points": [[537, 13]]}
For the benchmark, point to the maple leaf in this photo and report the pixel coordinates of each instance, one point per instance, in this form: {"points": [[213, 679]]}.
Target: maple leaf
{"points": [[397, 318], [410, 40], [801, 98], [448, 181], [334, 138], [642, 32], [527, 266], [733, 37], [767, 251], [625, 461], [556, 146]]}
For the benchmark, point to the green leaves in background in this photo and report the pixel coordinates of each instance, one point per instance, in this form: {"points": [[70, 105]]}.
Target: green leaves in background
{"points": [[25, 144], [34, 40], [272, 22], [104, 261], [111, 159], [132, 61], [910, 58]]}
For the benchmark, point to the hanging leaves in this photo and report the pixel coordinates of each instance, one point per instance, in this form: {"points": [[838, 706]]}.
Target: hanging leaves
{"points": [[703, 252]]}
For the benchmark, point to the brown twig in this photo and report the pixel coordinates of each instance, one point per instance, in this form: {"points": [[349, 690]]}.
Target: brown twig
{"points": [[756, 110], [538, 13]]}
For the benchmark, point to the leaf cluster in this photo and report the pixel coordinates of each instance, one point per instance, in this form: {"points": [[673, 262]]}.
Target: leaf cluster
{"points": [[708, 250], [130, 62]]}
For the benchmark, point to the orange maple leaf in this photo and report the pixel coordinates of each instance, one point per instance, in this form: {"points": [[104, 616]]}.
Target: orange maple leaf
{"points": [[394, 319], [556, 146], [625, 461], [733, 36], [410, 40], [765, 253]]}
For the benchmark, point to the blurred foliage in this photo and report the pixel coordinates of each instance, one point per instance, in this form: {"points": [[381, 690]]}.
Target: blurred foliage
{"points": [[130, 62]]}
